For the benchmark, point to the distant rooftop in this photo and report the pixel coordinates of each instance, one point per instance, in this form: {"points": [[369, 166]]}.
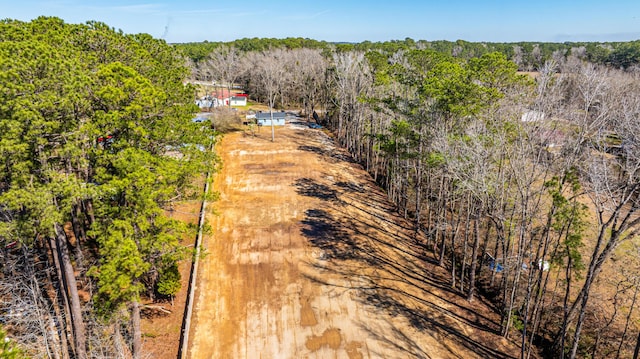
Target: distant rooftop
{"points": [[267, 116]]}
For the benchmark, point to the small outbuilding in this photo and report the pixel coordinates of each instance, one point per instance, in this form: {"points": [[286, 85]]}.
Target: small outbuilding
{"points": [[239, 100], [264, 118], [206, 102], [221, 97]]}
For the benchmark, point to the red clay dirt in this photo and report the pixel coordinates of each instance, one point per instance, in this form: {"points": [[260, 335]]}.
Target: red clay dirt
{"points": [[307, 259]]}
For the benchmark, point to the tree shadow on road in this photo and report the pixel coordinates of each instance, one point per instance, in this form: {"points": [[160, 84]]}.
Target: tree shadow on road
{"points": [[406, 346], [379, 260], [436, 325], [314, 149], [326, 234], [330, 154], [350, 187], [309, 188]]}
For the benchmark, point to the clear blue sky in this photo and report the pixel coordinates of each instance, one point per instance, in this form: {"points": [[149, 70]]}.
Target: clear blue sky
{"points": [[352, 21]]}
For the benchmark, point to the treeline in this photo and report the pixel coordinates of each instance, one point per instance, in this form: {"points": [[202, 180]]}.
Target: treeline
{"points": [[529, 56], [527, 187], [96, 143], [197, 51]]}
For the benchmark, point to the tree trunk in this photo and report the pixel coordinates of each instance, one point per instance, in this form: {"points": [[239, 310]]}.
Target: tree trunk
{"points": [[454, 233], [137, 333], [442, 223], [474, 260], [443, 248], [55, 339], [79, 233], [88, 210], [273, 128], [72, 292], [64, 322], [541, 280], [496, 247], [595, 265], [485, 245], [581, 315], [565, 309], [117, 341], [465, 244], [626, 325], [418, 214], [55, 343]]}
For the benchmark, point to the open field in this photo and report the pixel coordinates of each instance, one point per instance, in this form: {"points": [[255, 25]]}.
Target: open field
{"points": [[307, 259]]}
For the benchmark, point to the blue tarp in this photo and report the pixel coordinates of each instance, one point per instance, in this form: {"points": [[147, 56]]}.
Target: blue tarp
{"points": [[499, 267]]}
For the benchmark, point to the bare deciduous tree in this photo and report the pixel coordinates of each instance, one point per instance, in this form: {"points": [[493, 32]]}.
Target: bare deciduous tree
{"points": [[353, 82], [307, 68], [225, 66], [603, 108], [269, 76]]}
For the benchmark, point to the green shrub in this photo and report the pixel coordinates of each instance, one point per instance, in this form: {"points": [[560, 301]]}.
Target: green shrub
{"points": [[169, 282]]}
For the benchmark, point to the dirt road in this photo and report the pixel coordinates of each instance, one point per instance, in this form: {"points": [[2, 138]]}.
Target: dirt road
{"points": [[307, 260]]}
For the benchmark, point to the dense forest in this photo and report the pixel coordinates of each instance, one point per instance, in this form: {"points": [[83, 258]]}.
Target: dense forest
{"points": [[526, 184], [97, 142], [529, 56]]}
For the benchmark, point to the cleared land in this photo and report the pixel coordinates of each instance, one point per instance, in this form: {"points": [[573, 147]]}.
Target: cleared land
{"points": [[307, 259]]}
